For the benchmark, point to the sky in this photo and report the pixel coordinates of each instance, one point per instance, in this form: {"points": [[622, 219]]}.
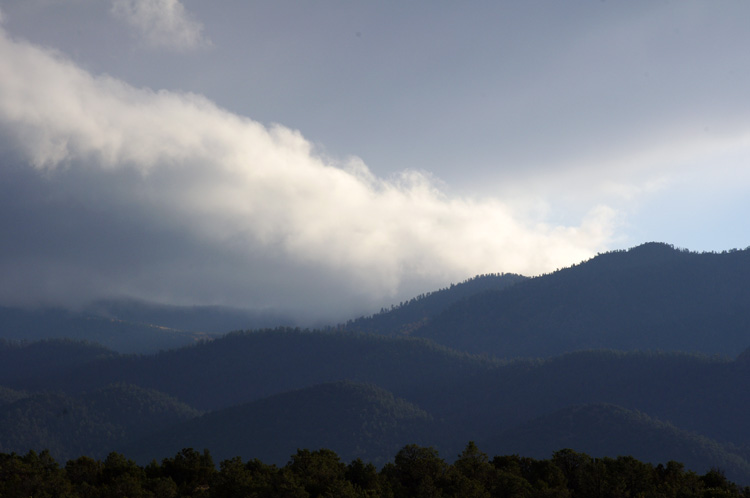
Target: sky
{"points": [[328, 158]]}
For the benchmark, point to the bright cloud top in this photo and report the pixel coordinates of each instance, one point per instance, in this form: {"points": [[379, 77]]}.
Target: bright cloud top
{"points": [[237, 195], [163, 23]]}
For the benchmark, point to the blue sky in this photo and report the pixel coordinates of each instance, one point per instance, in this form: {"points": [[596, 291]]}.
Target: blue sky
{"points": [[331, 157]]}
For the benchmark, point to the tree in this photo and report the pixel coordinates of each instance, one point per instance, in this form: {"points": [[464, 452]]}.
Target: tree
{"points": [[84, 474], [121, 478], [318, 471], [417, 472], [191, 471]]}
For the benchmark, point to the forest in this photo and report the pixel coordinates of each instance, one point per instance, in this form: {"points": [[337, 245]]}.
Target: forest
{"points": [[415, 471]]}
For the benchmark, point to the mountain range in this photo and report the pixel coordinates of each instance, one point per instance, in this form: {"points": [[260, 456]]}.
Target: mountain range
{"points": [[642, 352]]}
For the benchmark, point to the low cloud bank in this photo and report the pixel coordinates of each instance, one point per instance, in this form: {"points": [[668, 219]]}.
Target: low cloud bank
{"points": [[121, 191]]}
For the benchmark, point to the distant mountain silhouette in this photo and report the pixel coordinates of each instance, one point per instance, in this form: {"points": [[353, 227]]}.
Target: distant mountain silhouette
{"points": [[132, 326], [206, 319], [22, 324], [649, 297]]}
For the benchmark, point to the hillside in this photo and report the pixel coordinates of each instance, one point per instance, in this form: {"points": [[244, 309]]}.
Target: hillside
{"points": [[608, 430], [649, 297], [242, 367], [354, 420], [46, 359], [410, 315], [92, 424], [275, 387], [695, 393]]}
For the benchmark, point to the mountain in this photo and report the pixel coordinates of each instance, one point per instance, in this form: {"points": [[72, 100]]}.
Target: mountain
{"points": [[705, 395], [354, 420], [92, 424], [276, 387], [130, 326], [644, 351], [21, 324], [410, 315], [47, 359], [246, 366], [609, 430], [650, 297]]}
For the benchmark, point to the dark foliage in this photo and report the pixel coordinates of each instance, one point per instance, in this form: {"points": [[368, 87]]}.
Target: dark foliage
{"points": [[416, 471]]}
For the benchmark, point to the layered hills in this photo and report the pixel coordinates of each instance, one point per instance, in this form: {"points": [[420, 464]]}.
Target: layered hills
{"points": [[650, 297], [641, 352]]}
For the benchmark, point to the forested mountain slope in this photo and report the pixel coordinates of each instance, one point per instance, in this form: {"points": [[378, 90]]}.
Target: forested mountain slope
{"points": [[606, 430], [93, 424], [649, 297], [47, 359], [246, 366], [355, 420], [281, 382], [367, 393], [411, 315], [696, 393]]}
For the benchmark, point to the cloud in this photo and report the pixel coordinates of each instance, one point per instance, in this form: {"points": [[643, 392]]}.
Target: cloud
{"points": [[163, 23], [111, 189]]}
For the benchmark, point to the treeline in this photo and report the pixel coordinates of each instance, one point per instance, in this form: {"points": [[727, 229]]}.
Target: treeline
{"points": [[414, 472]]}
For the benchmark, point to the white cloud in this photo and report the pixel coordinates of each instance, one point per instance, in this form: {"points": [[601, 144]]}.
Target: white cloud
{"points": [[255, 216], [163, 23]]}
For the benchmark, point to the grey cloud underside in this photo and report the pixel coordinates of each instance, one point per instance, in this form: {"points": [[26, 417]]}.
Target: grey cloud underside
{"points": [[64, 244]]}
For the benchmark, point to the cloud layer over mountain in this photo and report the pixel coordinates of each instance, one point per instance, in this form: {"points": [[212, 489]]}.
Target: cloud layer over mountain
{"points": [[109, 189]]}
